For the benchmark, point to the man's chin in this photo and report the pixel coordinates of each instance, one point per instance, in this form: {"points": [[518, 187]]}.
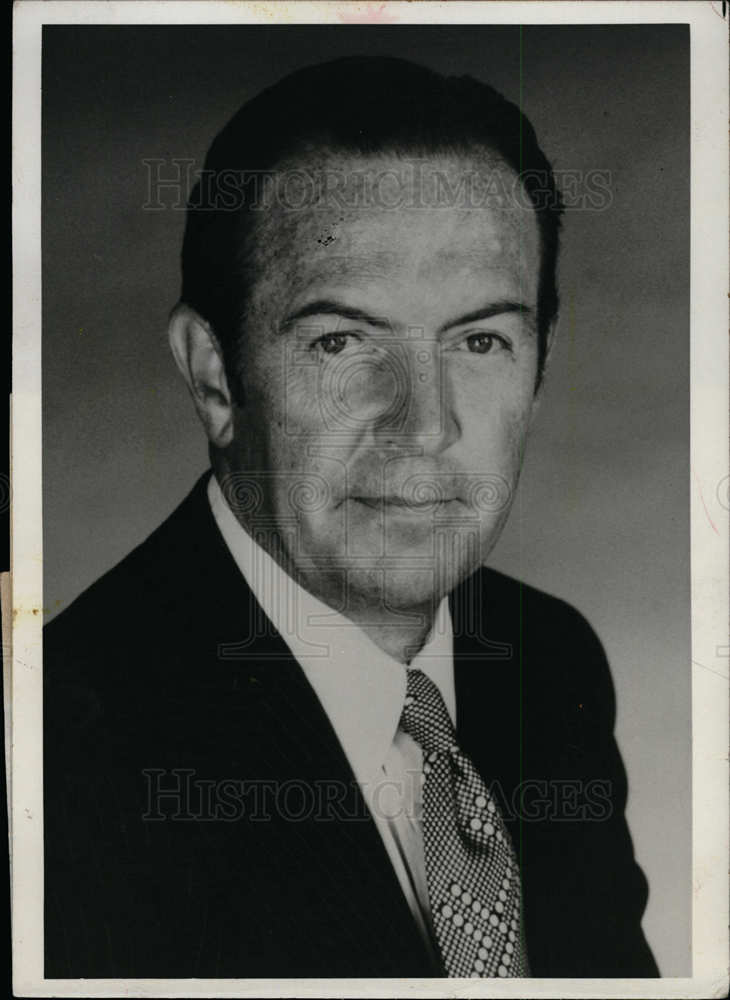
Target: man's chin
{"points": [[400, 590], [406, 563]]}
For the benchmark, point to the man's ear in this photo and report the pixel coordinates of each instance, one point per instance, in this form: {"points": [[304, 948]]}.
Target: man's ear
{"points": [[549, 345], [540, 390], [198, 356]]}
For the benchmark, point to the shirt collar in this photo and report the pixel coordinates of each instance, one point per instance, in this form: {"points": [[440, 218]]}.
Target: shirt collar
{"points": [[360, 687]]}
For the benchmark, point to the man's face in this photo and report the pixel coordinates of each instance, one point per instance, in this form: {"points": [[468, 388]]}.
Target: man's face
{"points": [[388, 373]]}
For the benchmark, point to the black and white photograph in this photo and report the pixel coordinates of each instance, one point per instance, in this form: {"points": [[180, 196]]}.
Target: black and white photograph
{"points": [[370, 499]]}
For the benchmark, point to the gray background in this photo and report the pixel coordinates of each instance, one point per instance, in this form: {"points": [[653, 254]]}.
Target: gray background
{"points": [[602, 515]]}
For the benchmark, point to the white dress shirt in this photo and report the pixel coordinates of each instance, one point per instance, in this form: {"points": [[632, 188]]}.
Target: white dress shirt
{"points": [[362, 690]]}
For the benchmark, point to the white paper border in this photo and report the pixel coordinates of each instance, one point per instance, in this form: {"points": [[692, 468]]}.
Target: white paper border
{"points": [[708, 487]]}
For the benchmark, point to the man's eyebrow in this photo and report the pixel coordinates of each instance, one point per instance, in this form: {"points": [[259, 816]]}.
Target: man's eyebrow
{"points": [[330, 307], [493, 309]]}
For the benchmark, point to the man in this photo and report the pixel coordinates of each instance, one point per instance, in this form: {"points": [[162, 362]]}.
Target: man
{"points": [[301, 731]]}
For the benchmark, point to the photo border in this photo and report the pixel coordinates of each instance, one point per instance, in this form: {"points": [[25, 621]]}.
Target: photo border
{"points": [[707, 486]]}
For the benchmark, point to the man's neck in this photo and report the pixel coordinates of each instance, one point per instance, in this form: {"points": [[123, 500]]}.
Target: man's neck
{"points": [[400, 642], [401, 633]]}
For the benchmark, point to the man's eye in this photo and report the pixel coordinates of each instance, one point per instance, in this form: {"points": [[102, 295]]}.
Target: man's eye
{"points": [[332, 343], [483, 343]]}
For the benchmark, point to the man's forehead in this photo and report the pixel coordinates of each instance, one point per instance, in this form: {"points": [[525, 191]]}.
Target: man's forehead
{"points": [[378, 249], [391, 271], [369, 266], [377, 234]]}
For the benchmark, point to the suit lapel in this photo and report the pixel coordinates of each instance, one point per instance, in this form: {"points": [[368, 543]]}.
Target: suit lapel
{"points": [[275, 720], [488, 679]]}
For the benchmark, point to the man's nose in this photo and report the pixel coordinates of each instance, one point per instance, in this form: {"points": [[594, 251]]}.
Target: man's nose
{"points": [[422, 413]]}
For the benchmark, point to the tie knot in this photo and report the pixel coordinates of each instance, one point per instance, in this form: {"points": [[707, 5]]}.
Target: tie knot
{"points": [[425, 716]]}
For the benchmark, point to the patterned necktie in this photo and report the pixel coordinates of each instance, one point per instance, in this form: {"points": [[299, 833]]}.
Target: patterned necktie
{"points": [[471, 869]]}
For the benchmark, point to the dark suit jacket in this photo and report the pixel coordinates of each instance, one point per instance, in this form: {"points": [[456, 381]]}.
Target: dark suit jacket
{"points": [[165, 674]]}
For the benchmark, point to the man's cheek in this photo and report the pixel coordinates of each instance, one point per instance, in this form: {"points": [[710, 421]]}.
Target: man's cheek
{"points": [[508, 428], [321, 533], [298, 404], [308, 484]]}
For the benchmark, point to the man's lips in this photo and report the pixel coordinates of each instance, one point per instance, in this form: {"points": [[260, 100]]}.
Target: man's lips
{"points": [[401, 503]]}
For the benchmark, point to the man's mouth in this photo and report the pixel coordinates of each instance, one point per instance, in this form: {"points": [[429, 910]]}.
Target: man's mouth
{"points": [[400, 503]]}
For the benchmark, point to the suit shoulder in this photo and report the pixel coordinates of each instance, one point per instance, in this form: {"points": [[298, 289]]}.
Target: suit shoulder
{"points": [[550, 630], [113, 595], [512, 595], [133, 591], [122, 629]]}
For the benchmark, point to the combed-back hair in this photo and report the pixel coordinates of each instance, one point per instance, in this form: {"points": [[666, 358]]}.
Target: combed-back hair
{"points": [[364, 106]]}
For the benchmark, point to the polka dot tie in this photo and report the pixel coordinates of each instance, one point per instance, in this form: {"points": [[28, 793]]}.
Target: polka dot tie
{"points": [[471, 869]]}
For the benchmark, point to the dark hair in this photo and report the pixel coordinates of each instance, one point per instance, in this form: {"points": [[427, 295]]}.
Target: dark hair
{"points": [[360, 105]]}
